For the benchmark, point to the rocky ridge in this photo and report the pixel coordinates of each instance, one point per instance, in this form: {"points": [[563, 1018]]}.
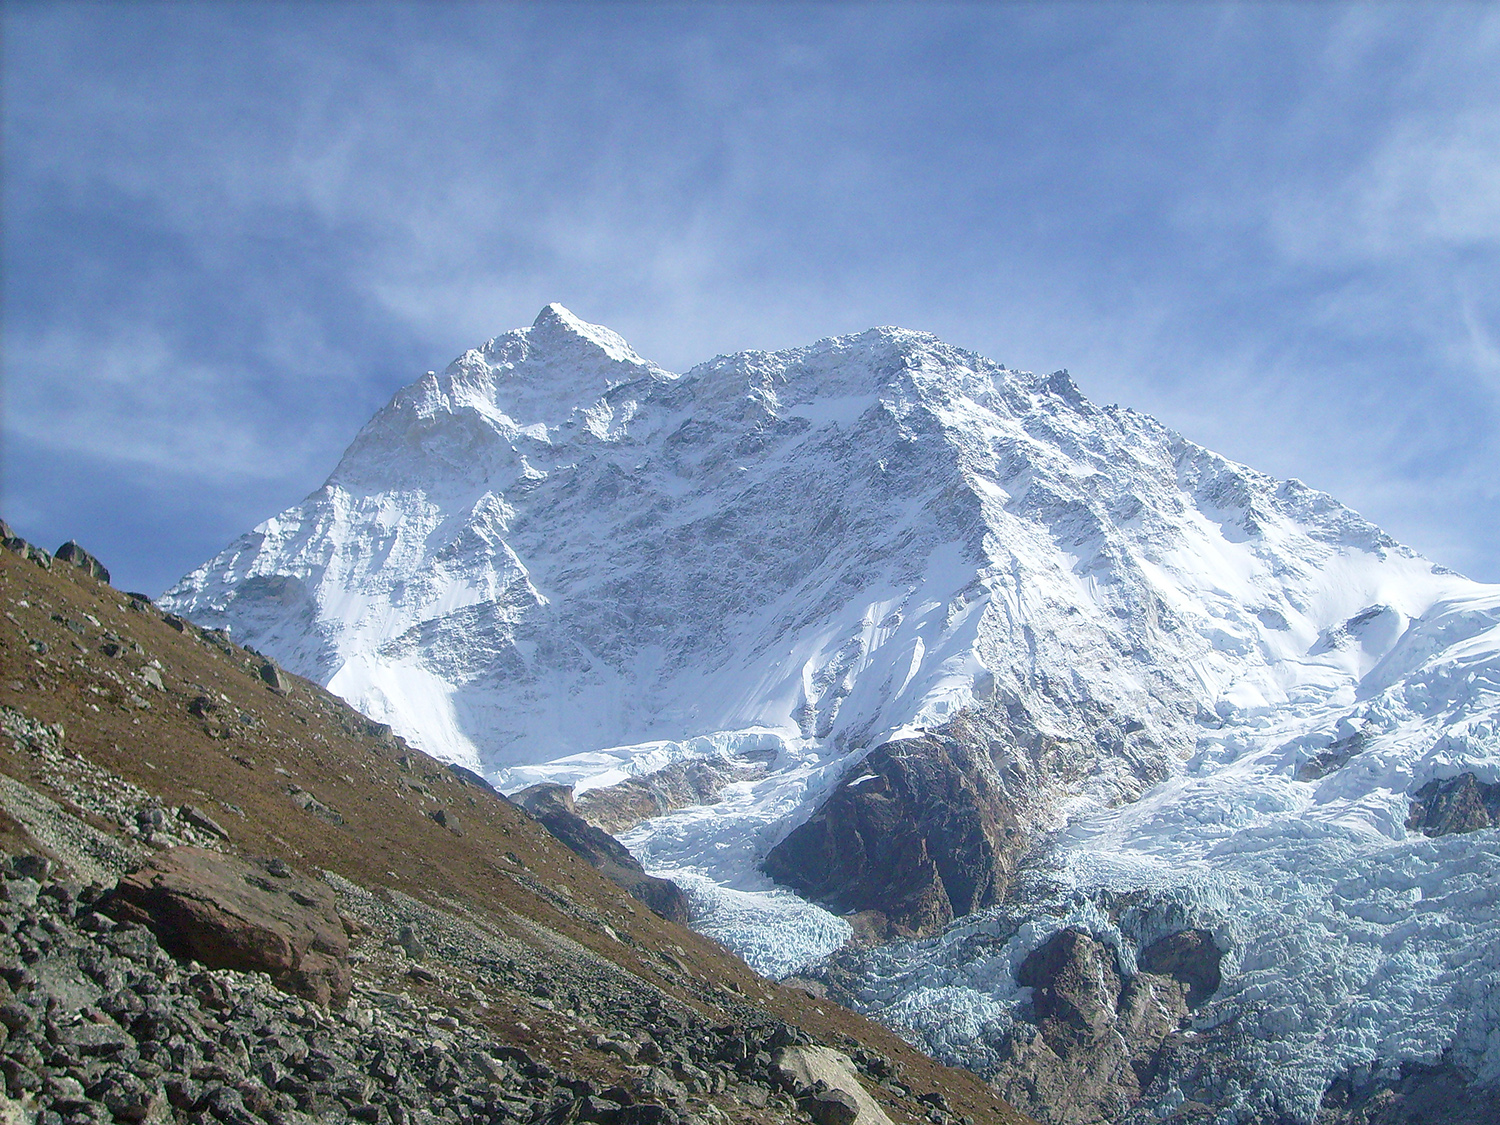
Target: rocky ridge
{"points": [[553, 808], [694, 781]]}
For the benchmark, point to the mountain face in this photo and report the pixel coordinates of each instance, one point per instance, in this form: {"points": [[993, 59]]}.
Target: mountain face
{"points": [[188, 935], [972, 661]]}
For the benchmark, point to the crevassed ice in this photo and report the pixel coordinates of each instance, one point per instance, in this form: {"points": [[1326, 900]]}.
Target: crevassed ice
{"points": [[774, 931], [1354, 945]]}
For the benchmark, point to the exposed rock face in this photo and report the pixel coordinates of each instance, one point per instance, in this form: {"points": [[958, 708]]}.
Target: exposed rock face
{"points": [[1099, 1035], [71, 552], [229, 914], [1459, 804], [469, 777], [698, 781], [552, 806], [26, 550], [1333, 757], [922, 832], [1188, 956]]}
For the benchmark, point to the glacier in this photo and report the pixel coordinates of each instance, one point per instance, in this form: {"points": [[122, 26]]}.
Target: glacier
{"points": [[555, 560]]}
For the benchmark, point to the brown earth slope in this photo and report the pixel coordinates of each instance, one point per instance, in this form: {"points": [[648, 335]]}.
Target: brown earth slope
{"points": [[171, 735]]}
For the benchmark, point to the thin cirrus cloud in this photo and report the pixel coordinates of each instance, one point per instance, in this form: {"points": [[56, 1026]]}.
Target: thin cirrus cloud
{"points": [[233, 230]]}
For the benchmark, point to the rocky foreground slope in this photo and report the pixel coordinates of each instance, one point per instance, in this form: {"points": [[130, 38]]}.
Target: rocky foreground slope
{"points": [[226, 896]]}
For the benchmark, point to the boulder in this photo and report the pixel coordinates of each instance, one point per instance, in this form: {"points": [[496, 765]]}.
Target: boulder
{"points": [[827, 1106], [381, 733], [70, 552], [646, 1113], [274, 678], [408, 940], [230, 914], [202, 821], [827, 1086], [448, 819], [36, 867], [552, 806], [308, 803]]}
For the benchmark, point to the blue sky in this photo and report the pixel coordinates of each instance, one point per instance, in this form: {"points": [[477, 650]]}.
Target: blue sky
{"points": [[230, 232]]}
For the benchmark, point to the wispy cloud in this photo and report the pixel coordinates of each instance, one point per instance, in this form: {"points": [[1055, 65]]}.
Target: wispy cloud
{"points": [[1431, 184], [134, 398], [242, 227]]}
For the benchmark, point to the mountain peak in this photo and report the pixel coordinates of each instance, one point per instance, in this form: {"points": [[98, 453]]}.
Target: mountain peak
{"points": [[556, 328]]}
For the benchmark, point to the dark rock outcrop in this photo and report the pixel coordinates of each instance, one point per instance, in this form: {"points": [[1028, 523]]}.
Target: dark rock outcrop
{"points": [[1188, 956], [1333, 757], [552, 806], [618, 808], [1075, 988], [1457, 804], [229, 914], [71, 552], [828, 1106], [469, 777], [1099, 1034], [26, 550], [920, 833]]}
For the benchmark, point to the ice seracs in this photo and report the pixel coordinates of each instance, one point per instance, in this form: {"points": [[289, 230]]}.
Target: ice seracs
{"points": [[557, 560]]}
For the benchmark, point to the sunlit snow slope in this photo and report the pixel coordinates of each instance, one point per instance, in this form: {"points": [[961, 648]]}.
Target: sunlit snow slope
{"points": [[556, 550]]}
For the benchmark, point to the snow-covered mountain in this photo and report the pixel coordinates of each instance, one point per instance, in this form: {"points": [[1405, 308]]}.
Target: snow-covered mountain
{"points": [[1214, 695]]}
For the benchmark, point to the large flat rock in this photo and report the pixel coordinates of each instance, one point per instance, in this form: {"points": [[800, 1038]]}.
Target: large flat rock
{"points": [[230, 914], [822, 1070]]}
